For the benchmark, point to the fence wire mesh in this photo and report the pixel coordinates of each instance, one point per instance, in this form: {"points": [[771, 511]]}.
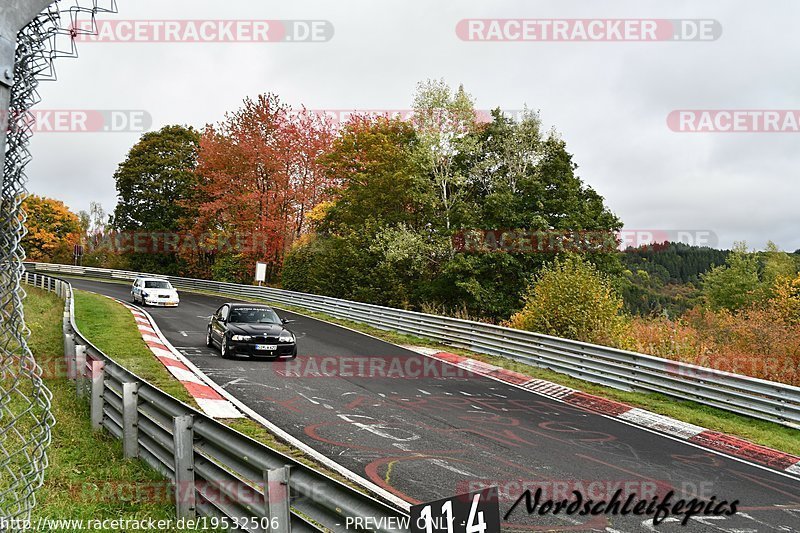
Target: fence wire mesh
{"points": [[25, 417]]}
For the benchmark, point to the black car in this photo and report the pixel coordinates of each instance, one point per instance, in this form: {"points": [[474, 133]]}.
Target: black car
{"points": [[250, 330]]}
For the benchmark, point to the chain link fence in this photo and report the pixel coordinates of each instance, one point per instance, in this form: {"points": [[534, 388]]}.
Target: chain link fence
{"points": [[25, 417]]}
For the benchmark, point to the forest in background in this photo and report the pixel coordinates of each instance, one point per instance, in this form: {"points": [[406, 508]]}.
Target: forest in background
{"points": [[376, 210]]}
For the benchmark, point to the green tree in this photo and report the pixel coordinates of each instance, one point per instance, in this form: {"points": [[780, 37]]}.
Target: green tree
{"points": [[777, 265], [378, 179], [445, 122], [736, 283], [571, 298], [155, 184], [405, 190]]}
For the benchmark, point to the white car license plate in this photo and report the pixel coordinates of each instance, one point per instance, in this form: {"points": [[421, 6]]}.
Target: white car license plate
{"points": [[266, 347]]}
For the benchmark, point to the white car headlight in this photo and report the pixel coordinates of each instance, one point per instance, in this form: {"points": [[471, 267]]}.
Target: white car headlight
{"points": [[286, 337], [241, 338]]}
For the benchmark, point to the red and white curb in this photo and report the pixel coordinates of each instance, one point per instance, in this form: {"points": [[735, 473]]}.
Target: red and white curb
{"points": [[236, 407], [209, 400], [720, 442]]}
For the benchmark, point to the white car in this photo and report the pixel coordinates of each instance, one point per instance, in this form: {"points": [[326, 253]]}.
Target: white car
{"points": [[154, 291]]}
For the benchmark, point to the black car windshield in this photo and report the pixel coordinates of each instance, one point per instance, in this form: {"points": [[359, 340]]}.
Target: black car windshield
{"points": [[253, 315], [157, 285]]}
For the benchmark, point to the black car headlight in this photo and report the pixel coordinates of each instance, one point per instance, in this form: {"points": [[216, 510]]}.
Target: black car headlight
{"points": [[241, 338], [286, 337]]}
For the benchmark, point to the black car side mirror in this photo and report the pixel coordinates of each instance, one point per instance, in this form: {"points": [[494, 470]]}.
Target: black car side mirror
{"points": [[286, 321]]}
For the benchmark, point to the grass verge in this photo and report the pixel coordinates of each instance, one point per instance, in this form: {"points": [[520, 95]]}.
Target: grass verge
{"points": [[88, 478]]}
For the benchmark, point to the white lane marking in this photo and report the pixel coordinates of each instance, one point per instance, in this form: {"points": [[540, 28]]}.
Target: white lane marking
{"points": [[424, 350], [163, 353], [184, 374], [661, 423], [378, 428], [451, 468], [183, 333], [218, 408], [313, 399]]}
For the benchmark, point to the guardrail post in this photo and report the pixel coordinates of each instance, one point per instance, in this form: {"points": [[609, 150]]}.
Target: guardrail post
{"points": [[80, 370], [98, 387], [69, 354], [276, 499], [183, 437], [130, 420]]}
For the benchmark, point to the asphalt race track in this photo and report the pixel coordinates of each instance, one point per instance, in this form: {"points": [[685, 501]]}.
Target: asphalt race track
{"points": [[430, 437]]}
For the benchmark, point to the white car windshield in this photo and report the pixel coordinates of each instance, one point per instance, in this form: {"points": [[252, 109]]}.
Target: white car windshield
{"points": [[157, 285]]}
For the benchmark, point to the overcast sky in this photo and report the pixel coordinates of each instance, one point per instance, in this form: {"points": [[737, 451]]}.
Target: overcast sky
{"points": [[610, 101]]}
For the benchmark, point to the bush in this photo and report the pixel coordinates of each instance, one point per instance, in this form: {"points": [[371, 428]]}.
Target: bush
{"points": [[786, 299], [570, 298], [761, 340]]}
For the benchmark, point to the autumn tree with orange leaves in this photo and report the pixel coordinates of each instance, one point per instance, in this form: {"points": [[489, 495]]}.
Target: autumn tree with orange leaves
{"points": [[52, 230], [259, 175]]}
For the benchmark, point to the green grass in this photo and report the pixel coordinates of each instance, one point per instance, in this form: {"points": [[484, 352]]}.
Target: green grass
{"points": [[760, 432], [112, 328], [88, 478]]}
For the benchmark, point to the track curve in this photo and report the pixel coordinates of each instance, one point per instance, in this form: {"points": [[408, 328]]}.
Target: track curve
{"points": [[430, 437]]}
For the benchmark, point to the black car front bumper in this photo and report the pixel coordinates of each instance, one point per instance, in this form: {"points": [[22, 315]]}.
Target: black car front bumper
{"points": [[248, 349]]}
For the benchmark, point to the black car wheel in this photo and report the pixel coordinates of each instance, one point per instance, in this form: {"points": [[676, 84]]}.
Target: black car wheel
{"points": [[223, 348], [209, 340]]}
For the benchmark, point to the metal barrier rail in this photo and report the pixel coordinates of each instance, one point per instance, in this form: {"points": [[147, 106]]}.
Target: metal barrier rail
{"points": [[215, 470], [620, 369]]}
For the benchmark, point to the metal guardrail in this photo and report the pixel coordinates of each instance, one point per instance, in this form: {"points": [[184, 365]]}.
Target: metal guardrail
{"points": [[215, 470], [620, 369]]}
